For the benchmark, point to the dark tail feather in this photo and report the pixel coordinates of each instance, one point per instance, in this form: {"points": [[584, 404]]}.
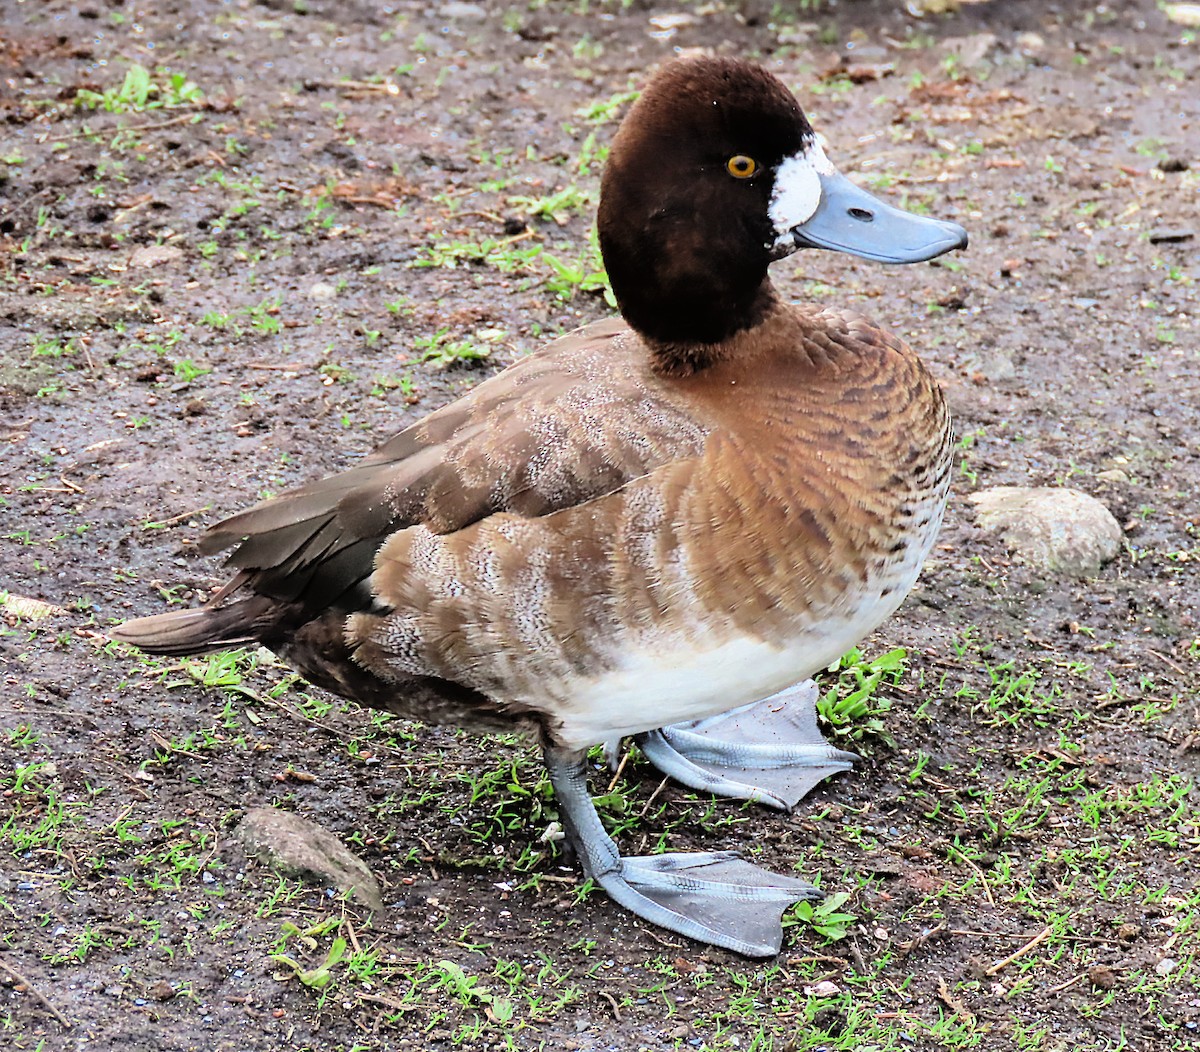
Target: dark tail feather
{"points": [[180, 632]]}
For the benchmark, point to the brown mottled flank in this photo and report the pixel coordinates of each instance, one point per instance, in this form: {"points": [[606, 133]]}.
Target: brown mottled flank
{"points": [[788, 515]]}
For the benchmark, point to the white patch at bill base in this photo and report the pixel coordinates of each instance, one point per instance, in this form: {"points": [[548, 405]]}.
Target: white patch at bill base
{"points": [[796, 194]]}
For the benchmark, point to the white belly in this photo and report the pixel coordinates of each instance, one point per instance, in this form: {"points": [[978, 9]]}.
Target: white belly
{"points": [[660, 682]]}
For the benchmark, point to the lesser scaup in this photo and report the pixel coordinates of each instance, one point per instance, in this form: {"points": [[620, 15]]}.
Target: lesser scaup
{"points": [[649, 522]]}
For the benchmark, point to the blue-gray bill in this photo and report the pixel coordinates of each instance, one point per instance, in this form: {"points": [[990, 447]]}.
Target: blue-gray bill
{"points": [[849, 219]]}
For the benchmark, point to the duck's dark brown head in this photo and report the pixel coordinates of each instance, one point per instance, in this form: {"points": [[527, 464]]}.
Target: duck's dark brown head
{"points": [[714, 173]]}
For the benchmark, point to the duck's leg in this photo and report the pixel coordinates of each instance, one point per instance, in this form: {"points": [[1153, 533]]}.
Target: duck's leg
{"points": [[769, 751], [714, 897]]}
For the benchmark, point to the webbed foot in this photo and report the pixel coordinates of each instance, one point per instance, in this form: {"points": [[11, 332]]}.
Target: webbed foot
{"points": [[769, 751], [714, 897]]}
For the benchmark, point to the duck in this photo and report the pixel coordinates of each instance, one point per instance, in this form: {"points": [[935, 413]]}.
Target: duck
{"points": [[660, 525]]}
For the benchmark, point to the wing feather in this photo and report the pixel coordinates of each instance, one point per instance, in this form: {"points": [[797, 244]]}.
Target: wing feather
{"points": [[576, 421]]}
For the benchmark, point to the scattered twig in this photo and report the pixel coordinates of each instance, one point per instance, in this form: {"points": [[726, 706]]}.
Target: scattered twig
{"points": [[483, 215], [1037, 940], [137, 128], [856, 953], [83, 343], [524, 235], [618, 772], [46, 1002], [653, 796], [987, 891], [616, 1008], [1163, 657], [390, 1003], [387, 87], [134, 788], [917, 941], [21, 204], [654, 936], [953, 1003], [817, 958], [128, 210], [159, 523], [352, 935], [360, 199], [1189, 741], [1067, 985], [272, 703]]}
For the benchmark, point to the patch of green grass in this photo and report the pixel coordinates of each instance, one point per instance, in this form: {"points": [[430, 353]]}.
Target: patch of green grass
{"points": [[262, 318], [441, 351], [506, 255], [188, 371], [473, 1003], [1011, 696], [585, 273], [826, 917], [852, 707], [43, 346], [39, 817], [559, 207], [142, 90], [605, 111]]}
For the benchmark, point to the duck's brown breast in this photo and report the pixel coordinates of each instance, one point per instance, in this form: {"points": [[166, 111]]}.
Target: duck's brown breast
{"points": [[711, 580]]}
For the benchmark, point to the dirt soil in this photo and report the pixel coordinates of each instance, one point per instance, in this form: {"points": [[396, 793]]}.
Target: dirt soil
{"points": [[243, 242]]}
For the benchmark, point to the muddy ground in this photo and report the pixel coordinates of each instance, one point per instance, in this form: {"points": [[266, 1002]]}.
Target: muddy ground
{"points": [[298, 228]]}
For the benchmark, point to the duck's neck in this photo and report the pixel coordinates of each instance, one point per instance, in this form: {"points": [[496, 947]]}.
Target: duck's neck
{"points": [[693, 329]]}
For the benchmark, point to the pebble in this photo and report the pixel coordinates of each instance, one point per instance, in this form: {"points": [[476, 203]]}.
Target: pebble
{"points": [[1170, 235], [971, 50], [1051, 528], [464, 11], [291, 844], [1183, 14], [150, 257]]}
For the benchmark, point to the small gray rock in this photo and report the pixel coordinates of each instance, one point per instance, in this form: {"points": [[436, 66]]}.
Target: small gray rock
{"points": [[1170, 235], [1050, 528], [463, 11], [301, 848], [151, 257], [971, 50]]}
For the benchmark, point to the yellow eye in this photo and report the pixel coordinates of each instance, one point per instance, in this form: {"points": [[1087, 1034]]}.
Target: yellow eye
{"points": [[741, 166]]}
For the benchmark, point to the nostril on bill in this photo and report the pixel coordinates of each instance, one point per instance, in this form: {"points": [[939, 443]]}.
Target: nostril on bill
{"points": [[863, 215]]}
